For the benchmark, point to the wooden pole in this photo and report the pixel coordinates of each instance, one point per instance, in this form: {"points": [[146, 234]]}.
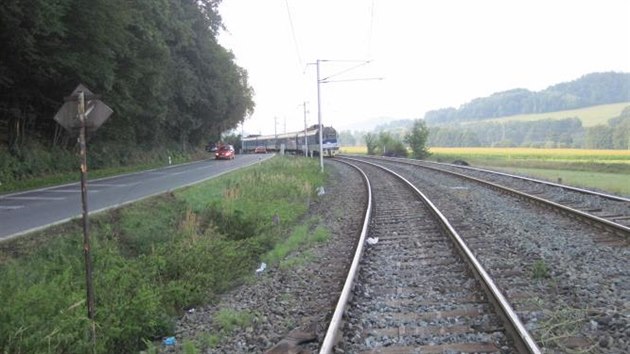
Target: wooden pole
{"points": [[86, 236]]}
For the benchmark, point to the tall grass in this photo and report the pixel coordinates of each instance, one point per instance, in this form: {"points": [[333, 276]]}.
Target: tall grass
{"points": [[152, 260]]}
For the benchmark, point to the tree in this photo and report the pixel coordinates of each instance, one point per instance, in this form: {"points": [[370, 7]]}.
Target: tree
{"points": [[371, 141], [417, 139], [390, 145], [598, 137]]}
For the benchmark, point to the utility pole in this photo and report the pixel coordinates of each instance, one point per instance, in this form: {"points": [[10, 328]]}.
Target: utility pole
{"points": [[319, 121], [319, 104], [305, 128]]}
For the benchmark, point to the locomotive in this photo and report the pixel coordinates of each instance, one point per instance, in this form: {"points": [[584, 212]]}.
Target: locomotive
{"points": [[301, 142]]}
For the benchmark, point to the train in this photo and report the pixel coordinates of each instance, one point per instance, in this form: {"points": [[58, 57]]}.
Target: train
{"points": [[295, 142]]}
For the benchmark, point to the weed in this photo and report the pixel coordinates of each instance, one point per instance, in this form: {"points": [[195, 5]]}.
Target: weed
{"points": [[209, 340], [560, 325], [321, 235], [189, 347], [540, 270], [228, 319]]}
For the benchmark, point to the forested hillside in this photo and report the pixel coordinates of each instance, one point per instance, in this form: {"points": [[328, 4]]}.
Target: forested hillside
{"points": [[589, 90], [156, 63]]}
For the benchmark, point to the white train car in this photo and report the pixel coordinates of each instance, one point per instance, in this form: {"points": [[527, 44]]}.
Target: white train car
{"points": [[295, 142]]}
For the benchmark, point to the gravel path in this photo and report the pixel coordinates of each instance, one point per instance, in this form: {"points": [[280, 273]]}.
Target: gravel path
{"points": [[291, 304]]}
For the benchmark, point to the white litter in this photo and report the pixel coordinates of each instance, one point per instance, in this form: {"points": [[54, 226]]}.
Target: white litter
{"points": [[320, 191], [262, 267], [372, 240]]}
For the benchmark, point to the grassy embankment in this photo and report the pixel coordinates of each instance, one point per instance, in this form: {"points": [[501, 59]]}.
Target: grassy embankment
{"points": [[153, 260], [607, 170]]}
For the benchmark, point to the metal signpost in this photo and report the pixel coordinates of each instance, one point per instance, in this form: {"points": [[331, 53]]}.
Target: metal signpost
{"points": [[75, 118]]}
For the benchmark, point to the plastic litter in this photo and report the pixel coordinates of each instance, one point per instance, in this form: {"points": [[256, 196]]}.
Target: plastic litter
{"points": [[372, 240], [320, 191], [170, 341], [262, 268]]}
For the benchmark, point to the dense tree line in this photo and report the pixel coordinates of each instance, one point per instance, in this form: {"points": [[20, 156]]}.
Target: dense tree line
{"points": [[589, 90], [543, 133], [546, 133], [156, 63]]}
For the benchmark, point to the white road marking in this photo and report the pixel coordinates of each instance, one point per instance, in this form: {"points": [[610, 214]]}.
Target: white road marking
{"points": [[111, 185], [35, 198], [8, 207]]}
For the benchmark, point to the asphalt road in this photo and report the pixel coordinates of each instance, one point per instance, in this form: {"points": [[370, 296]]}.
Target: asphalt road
{"points": [[25, 212]]}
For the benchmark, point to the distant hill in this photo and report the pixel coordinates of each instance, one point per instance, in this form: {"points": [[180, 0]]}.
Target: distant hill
{"points": [[589, 90], [589, 116]]}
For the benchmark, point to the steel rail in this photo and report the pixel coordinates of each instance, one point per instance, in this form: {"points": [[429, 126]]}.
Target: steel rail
{"points": [[523, 341], [335, 323], [529, 179], [619, 229]]}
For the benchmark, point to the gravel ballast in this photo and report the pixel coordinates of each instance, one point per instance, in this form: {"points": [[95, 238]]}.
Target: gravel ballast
{"points": [[565, 285]]}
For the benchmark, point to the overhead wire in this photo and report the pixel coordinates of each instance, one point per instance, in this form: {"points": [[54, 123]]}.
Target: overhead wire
{"points": [[370, 31], [295, 43]]}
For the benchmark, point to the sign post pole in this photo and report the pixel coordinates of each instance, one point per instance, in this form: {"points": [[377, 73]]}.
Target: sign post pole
{"points": [[97, 113], [86, 235]]}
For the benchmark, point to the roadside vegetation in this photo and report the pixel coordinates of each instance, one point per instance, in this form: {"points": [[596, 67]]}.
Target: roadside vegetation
{"points": [[39, 166], [153, 260]]}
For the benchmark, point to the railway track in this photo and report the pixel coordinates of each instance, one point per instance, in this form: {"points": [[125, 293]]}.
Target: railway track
{"points": [[419, 288], [569, 282], [608, 212]]}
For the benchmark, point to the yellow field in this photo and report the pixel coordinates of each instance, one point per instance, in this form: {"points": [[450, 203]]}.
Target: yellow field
{"points": [[590, 116], [353, 150]]}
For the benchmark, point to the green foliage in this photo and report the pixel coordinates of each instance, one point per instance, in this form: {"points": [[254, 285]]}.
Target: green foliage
{"points": [[300, 237], [157, 63], [540, 270], [228, 320], [389, 145], [417, 139], [371, 141], [189, 347], [36, 165], [152, 260]]}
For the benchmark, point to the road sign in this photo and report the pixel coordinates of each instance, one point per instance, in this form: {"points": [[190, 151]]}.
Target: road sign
{"points": [[96, 112]]}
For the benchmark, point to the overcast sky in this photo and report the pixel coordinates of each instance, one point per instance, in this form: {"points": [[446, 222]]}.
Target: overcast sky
{"points": [[429, 54]]}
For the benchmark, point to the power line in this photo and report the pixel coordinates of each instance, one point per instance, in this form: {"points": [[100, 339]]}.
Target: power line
{"points": [[295, 43], [362, 62], [370, 31]]}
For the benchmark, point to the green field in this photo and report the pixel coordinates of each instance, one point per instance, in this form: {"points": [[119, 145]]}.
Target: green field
{"points": [[590, 116], [607, 170]]}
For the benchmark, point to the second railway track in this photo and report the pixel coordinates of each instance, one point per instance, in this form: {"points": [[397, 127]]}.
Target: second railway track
{"points": [[416, 293]]}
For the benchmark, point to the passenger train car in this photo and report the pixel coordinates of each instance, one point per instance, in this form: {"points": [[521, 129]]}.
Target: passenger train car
{"points": [[295, 142]]}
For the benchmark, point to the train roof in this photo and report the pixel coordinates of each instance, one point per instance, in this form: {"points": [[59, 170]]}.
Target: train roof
{"points": [[284, 135]]}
